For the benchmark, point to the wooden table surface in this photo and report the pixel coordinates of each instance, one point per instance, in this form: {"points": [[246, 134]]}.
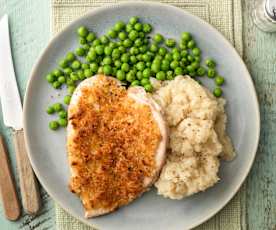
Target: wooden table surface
{"points": [[30, 32]]}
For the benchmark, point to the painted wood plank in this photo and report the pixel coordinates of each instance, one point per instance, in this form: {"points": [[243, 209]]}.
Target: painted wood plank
{"points": [[260, 57]]}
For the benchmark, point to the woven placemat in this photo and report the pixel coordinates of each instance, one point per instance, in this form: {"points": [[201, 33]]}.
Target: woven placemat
{"points": [[226, 16]]}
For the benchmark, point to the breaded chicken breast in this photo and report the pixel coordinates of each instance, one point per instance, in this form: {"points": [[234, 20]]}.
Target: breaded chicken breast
{"points": [[116, 144]]}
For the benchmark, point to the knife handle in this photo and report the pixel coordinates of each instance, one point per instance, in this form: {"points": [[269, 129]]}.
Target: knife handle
{"points": [[28, 183], [7, 187]]}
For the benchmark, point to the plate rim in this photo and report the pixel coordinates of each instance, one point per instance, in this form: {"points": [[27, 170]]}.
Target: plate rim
{"points": [[131, 3]]}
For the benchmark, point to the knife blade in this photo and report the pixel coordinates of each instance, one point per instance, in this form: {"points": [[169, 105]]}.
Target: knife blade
{"points": [[12, 114], [10, 99]]}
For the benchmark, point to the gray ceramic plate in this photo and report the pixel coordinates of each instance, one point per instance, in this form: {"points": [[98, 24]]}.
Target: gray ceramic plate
{"points": [[47, 149]]}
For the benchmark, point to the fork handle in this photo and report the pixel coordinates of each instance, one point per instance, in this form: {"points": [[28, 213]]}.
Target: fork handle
{"points": [[7, 187], [28, 183]]}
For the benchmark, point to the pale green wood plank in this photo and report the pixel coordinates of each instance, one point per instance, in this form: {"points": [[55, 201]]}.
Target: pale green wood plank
{"points": [[29, 24], [30, 33], [260, 57]]}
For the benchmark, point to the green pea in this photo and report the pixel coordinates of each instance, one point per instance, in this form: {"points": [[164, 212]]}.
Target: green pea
{"points": [[56, 84], [70, 56], [91, 37], [63, 63], [184, 53], [183, 46], [133, 59], [176, 56], [165, 65], [120, 25], [67, 99], [117, 63], [92, 55], [168, 57], [125, 57], [69, 82], [197, 58], [210, 63], [169, 75], [88, 73], [104, 39], [147, 28], [145, 81], [107, 69], [155, 67], [162, 51], [94, 67], [140, 66], [133, 35], [76, 64], [139, 75], [143, 49], [133, 20], [138, 26], [112, 33], [62, 114], [100, 70], [133, 50], [211, 73], [53, 125], [190, 68], [139, 57], [129, 28], [116, 54], [50, 110], [178, 71], [108, 50], [80, 51], [217, 92], [125, 67], [61, 79], [174, 64], [195, 65], [57, 72], [148, 87], [201, 71], [74, 76], [127, 43], [71, 89], [142, 36], [192, 74], [62, 122], [86, 47], [122, 36], [191, 44], [81, 75], [122, 49], [107, 60], [121, 75], [83, 31], [138, 42], [146, 73], [130, 77], [146, 57], [161, 76], [96, 42], [50, 77], [99, 49], [57, 107], [196, 51], [184, 62], [135, 83], [219, 80], [190, 58], [82, 41], [170, 42], [186, 36], [68, 71], [158, 38], [154, 48]]}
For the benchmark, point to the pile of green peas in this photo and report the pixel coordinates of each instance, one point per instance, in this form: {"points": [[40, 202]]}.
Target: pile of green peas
{"points": [[129, 53]]}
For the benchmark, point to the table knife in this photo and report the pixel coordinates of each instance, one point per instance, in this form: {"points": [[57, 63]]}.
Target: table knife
{"points": [[12, 116]]}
